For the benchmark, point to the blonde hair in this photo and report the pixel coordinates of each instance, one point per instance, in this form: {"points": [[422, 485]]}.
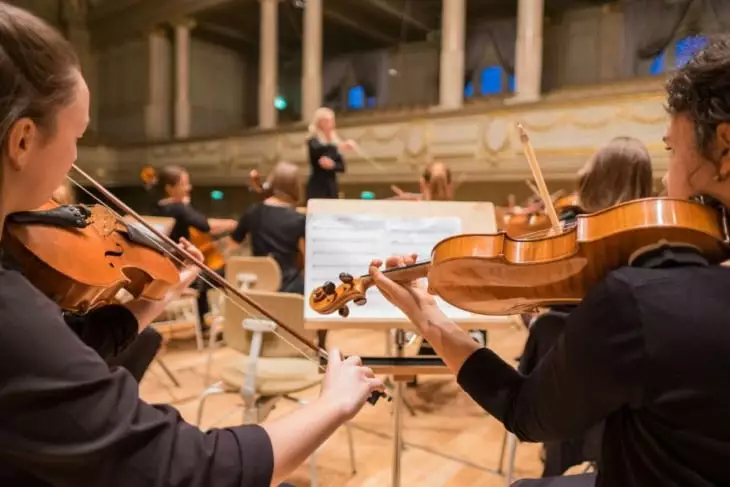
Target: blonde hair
{"points": [[316, 133], [436, 180], [618, 172]]}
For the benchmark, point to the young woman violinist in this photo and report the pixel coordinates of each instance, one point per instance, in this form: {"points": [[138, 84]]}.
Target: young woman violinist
{"points": [[325, 155], [646, 350], [173, 182], [65, 417], [618, 172]]}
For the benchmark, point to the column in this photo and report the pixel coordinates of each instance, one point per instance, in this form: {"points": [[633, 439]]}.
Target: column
{"points": [[528, 51], [451, 85], [182, 79], [74, 17], [312, 63], [158, 125], [268, 63]]}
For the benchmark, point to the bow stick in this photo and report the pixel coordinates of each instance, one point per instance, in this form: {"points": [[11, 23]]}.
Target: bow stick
{"points": [[212, 275]]}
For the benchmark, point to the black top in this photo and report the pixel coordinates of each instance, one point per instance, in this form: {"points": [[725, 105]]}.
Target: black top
{"points": [[275, 231], [649, 351], [323, 182], [185, 217], [67, 419]]}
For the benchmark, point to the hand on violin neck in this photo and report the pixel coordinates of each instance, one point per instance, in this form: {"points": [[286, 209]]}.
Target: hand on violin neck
{"points": [[189, 271], [347, 384], [411, 297]]}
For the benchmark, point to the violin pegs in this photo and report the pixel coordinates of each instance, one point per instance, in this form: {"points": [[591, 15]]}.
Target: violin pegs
{"points": [[329, 287], [344, 311], [360, 301], [346, 278], [318, 295]]}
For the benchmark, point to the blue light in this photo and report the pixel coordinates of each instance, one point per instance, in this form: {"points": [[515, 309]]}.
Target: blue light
{"points": [[280, 103], [367, 195], [686, 48], [491, 80], [216, 195], [356, 98]]}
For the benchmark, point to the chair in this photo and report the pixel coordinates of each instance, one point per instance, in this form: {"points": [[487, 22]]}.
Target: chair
{"points": [[258, 273], [268, 369]]}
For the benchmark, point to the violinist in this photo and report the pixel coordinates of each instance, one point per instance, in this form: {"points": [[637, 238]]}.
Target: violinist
{"points": [[618, 172], [64, 194], [174, 184], [66, 418], [646, 350], [325, 155]]}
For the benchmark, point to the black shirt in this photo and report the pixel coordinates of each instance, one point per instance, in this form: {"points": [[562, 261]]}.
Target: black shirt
{"points": [[66, 419], [323, 182], [275, 231], [649, 351], [185, 217]]}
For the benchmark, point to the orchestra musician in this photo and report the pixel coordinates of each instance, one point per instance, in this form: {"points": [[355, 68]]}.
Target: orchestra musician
{"points": [[646, 350], [173, 184], [66, 418], [325, 155], [618, 172]]}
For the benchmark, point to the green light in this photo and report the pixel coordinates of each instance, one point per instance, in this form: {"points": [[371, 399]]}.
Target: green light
{"points": [[367, 195], [216, 195], [280, 103]]}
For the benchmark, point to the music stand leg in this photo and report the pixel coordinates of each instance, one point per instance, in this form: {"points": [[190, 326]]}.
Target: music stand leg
{"points": [[398, 412]]}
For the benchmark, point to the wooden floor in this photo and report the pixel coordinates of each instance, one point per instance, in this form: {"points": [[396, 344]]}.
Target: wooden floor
{"points": [[451, 442]]}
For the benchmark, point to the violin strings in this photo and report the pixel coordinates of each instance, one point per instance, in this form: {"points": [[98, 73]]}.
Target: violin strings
{"points": [[204, 278]]}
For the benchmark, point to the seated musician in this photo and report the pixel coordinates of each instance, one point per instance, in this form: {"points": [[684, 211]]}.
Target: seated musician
{"points": [[173, 182], [66, 418], [618, 172], [646, 350]]}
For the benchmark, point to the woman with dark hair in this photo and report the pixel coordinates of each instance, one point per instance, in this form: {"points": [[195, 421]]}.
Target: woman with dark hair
{"points": [[173, 185], [66, 417], [646, 351]]}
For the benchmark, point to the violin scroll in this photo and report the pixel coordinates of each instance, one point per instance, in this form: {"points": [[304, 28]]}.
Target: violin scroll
{"points": [[328, 298]]}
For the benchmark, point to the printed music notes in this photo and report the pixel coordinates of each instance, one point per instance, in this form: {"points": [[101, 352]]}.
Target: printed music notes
{"points": [[348, 242]]}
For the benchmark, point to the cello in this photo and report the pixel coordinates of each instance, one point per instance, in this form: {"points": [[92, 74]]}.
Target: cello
{"points": [[497, 274]]}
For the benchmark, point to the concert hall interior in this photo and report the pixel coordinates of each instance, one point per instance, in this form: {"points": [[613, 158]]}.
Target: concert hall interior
{"points": [[249, 170]]}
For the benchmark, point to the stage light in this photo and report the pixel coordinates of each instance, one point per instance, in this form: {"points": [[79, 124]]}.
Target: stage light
{"points": [[280, 103], [216, 195], [367, 195]]}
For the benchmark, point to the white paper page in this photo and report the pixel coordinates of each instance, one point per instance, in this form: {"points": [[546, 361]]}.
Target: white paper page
{"points": [[347, 243]]}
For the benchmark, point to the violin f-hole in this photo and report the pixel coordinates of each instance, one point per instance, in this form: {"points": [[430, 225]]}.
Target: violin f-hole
{"points": [[114, 253]]}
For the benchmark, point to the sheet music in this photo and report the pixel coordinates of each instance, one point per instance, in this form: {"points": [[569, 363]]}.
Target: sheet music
{"points": [[348, 242]]}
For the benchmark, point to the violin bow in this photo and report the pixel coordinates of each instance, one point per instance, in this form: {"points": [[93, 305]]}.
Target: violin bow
{"points": [[539, 179], [208, 273]]}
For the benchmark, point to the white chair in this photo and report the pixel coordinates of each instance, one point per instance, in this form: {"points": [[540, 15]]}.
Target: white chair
{"points": [[267, 369]]}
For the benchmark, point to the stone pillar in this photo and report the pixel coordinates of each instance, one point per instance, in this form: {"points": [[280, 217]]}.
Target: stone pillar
{"points": [[74, 17], [158, 123], [268, 63], [451, 86], [312, 62], [182, 79], [528, 51]]}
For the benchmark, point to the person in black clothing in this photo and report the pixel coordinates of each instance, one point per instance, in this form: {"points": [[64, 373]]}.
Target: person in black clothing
{"points": [[646, 351], [66, 417], [325, 155], [618, 172], [173, 182]]}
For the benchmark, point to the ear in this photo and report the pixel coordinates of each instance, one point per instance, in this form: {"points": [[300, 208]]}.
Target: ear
{"points": [[22, 135], [723, 147]]}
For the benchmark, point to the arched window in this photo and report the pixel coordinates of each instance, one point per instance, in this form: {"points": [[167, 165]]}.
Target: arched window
{"points": [[687, 47], [356, 98]]}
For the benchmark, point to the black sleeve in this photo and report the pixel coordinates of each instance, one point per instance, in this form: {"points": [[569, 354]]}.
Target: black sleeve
{"points": [[317, 149], [195, 219], [108, 330], [244, 225], [302, 226], [68, 419], [595, 368]]}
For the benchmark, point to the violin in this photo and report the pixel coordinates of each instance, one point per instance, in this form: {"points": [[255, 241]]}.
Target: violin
{"points": [[499, 274], [57, 243], [208, 246], [81, 257]]}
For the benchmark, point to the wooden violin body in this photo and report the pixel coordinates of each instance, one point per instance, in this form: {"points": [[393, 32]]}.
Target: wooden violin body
{"points": [[207, 245], [501, 275], [81, 257]]}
